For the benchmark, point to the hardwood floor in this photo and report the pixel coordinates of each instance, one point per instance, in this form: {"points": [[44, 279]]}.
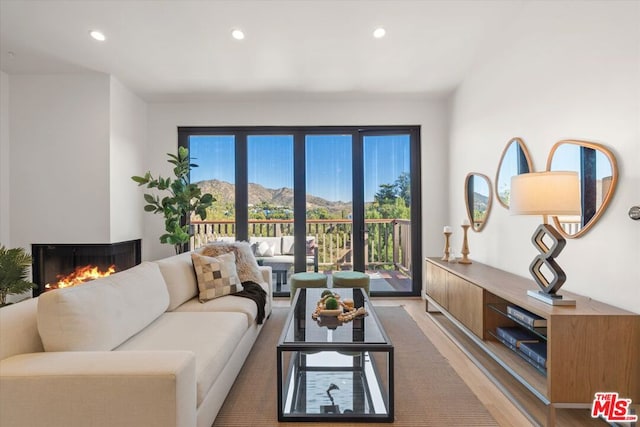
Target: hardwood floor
{"points": [[494, 397]]}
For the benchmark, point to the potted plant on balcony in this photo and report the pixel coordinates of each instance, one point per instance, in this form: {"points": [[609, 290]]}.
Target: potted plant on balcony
{"points": [[183, 199], [14, 267]]}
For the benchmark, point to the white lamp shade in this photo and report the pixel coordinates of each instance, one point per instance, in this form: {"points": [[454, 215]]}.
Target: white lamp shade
{"points": [[545, 193]]}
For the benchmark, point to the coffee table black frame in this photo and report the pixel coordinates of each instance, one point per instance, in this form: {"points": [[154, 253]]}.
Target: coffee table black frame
{"points": [[363, 340]]}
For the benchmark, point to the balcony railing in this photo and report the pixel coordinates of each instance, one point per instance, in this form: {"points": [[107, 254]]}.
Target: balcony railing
{"points": [[387, 241]]}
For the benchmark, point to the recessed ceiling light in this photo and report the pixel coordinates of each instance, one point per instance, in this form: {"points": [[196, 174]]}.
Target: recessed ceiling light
{"points": [[379, 32], [97, 35], [237, 34]]}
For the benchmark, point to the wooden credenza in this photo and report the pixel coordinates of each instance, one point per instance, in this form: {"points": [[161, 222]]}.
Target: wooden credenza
{"points": [[592, 347]]}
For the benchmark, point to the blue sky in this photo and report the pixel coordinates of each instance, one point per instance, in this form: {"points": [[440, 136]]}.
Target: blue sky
{"points": [[567, 158], [328, 163]]}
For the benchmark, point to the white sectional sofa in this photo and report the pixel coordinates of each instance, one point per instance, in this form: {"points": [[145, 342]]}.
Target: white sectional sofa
{"points": [[133, 349]]}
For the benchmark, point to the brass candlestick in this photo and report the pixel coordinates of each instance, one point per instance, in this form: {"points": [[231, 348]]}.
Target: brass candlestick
{"points": [[465, 246], [447, 248]]}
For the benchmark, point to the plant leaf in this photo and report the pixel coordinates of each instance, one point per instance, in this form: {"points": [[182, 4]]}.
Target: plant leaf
{"points": [[183, 201]]}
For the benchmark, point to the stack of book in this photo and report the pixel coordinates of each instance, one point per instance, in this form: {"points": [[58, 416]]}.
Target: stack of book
{"points": [[526, 317], [514, 336], [536, 351]]}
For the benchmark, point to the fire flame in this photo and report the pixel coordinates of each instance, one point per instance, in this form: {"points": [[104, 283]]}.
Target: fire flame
{"points": [[80, 276]]}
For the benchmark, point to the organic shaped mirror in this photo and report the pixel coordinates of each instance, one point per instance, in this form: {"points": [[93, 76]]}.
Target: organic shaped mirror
{"points": [[477, 191], [598, 173], [515, 160]]}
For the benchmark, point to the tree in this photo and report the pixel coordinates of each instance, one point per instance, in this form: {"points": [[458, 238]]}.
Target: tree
{"points": [[403, 187], [386, 194], [392, 200], [184, 199], [318, 213]]}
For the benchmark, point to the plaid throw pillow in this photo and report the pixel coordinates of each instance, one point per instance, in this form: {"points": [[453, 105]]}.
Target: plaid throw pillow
{"points": [[217, 276]]}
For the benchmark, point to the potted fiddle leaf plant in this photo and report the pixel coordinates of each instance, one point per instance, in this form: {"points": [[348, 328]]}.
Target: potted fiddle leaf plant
{"points": [[14, 270], [182, 199]]}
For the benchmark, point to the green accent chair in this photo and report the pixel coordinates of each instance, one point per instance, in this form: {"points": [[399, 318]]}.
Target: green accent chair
{"points": [[351, 279], [307, 280]]}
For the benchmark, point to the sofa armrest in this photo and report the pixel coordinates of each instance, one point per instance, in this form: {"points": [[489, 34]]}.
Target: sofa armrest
{"points": [[266, 275], [110, 388]]}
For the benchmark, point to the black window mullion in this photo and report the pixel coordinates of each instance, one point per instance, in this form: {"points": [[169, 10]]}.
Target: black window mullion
{"points": [[358, 226], [416, 212], [299, 201], [242, 185]]}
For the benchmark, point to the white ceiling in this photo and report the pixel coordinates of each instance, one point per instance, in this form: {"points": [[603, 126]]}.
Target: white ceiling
{"points": [[179, 49]]}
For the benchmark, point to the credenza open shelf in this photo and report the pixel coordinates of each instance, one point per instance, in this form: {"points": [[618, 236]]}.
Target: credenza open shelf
{"points": [[592, 347]]}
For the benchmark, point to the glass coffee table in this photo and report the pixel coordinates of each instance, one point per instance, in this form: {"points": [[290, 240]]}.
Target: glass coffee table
{"points": [[334, 371]]}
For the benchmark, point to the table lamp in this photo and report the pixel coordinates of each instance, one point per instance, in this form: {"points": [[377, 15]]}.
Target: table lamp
{"points": [[546, 193]]}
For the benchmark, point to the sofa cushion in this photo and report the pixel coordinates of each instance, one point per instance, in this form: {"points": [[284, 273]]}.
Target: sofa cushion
{"points": [[230, 303], [245, 261], [212, 337], [180, 278], [103, 313], [217, 276], [283, 261]]}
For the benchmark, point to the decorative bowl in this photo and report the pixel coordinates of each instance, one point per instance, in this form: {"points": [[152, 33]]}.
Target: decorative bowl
{"points": [[330, 313]]}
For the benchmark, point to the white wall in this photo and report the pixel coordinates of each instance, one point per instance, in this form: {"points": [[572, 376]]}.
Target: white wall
{"points": [[164, 120], [128, 139], [59, 158], [574, 75], [76, 140], [5, 236]]}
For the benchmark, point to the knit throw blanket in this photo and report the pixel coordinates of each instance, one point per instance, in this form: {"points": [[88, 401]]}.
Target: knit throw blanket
{"points": [[254, 291]]}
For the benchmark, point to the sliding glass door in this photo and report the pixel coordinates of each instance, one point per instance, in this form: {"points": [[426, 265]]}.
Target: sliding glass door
{"points": [[329, 199], [387, 211], [270, 204], [215, 174], [320, 199]]}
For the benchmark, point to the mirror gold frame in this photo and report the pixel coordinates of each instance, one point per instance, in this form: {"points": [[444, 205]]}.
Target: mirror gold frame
{"points": [[477, 224], [507, 180], [606, 198]]}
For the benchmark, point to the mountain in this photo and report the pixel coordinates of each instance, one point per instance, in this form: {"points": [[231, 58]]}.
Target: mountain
{"points": [[224, 192], [480, 202]]}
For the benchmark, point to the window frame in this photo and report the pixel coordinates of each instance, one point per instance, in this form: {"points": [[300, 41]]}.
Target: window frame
{"points": [[358, 134]]}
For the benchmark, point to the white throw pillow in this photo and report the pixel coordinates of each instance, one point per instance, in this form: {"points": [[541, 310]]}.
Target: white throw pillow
{"points": [[288, 245], [178, 273], [264, 249], [102, 314]]}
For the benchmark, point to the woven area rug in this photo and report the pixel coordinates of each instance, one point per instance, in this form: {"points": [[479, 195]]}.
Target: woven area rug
{"points": [[428, 392]]}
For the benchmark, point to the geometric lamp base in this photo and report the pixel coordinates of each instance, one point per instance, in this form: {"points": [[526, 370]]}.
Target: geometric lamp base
{"points": [[548, 294], [554, 299]]}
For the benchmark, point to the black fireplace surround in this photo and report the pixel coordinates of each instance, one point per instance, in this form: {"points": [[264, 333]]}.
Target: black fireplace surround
{"points": [[53, 260]]}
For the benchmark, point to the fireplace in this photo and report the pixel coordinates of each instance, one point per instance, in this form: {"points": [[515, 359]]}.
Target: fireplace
{"points": [[52, 261]]}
